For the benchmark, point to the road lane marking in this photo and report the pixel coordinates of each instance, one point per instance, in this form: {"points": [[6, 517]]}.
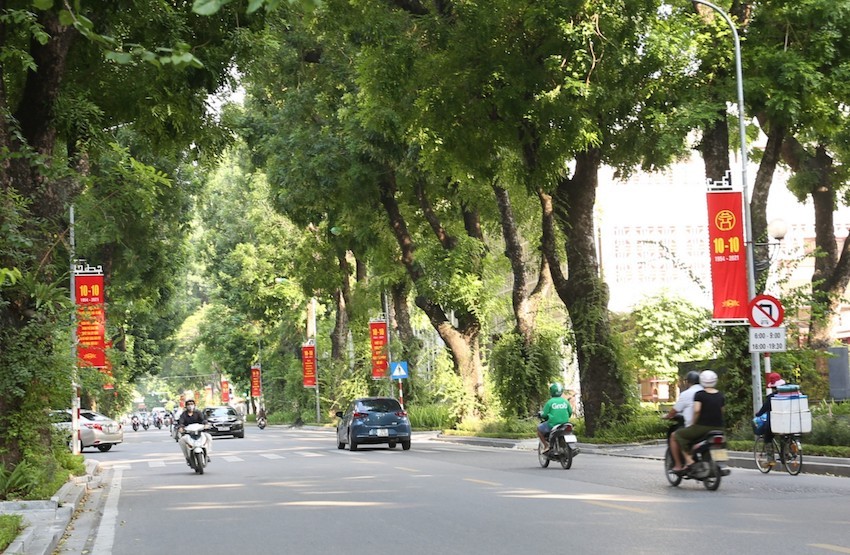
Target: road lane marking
{"points": [[309, 454], [618, 507], [271, 456], [231, 458], [407, 469], [828, 547], [156, 464], [484, 482], [106, 529]]}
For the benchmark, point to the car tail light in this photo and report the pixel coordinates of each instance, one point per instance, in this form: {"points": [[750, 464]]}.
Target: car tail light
{"points": [[93, 426], [360, 415], [401, 413]]}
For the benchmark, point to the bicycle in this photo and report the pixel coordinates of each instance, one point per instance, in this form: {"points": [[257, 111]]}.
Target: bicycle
{"points": [[790, 451]]}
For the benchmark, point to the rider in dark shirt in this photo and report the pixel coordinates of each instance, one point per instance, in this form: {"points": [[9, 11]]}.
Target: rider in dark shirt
{"points": [[708, 415]]}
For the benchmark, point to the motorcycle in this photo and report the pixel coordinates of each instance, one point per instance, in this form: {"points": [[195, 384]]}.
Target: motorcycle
{"points": [[135, 423], [261, 422], [562, 446], [167, 421], [157, 421], [709, 453], [198, 445]]}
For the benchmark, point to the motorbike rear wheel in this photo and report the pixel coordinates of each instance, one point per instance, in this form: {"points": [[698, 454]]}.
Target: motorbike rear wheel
{"points": [[198, 462], [565, 454], [672, 477], [712, 481], [542, 458]]}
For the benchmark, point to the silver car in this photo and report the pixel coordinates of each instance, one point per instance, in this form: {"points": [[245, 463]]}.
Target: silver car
{"points": [[96, 430]]}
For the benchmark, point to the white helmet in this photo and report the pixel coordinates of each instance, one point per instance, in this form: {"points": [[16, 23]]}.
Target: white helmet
{"points": [[707, 378]]}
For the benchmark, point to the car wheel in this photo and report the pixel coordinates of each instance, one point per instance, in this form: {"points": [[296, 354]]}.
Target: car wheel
{"points": [[352, 444], [240, 436], [405, 444], [392, 445], [104, 447]]}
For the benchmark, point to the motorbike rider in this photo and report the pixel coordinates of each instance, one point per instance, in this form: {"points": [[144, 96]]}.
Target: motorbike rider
{"points": [[557, 410], [192, 416], [708, 415], [684, 405]]}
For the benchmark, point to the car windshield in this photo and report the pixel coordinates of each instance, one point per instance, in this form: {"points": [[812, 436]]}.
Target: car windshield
{"points": [[221, 412], [378, 405]]}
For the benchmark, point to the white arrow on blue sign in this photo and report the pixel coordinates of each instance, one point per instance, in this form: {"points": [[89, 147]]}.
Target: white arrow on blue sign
{"points": [[398, 370]]}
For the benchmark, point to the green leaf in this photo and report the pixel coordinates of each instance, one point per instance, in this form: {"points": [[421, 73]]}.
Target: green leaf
{"points": [[66, 18], [207, 7], [119, 57], [42, 4]]}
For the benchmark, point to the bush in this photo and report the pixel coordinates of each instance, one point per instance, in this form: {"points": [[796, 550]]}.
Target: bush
{"points": [[510, 428], [17, 482], [431, 417]]}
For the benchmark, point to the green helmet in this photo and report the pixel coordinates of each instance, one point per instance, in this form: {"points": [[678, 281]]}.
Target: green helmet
{"points": [[556, 390]]}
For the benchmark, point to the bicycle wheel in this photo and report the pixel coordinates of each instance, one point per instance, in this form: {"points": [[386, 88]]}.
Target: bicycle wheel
{"points": [[792, 455], [762, 455]]}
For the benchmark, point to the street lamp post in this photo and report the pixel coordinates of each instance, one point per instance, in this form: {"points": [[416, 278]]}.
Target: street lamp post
{"points": [[748, 227]]}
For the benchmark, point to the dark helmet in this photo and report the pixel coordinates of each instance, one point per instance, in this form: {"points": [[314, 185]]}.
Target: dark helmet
{"points": [[556, 390], [693, 377]]}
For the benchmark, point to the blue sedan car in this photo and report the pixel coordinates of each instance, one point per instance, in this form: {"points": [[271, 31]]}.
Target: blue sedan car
{"points": [[372, 420]]}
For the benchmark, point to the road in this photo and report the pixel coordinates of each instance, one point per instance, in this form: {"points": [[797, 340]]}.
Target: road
{"points": [[286, 490]]}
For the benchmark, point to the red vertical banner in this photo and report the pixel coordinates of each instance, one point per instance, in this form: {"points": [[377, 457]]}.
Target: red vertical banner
{"points": [[225, 391], [378, 339], [256, 382], [308, 364], [728, 255], [91, 320]]}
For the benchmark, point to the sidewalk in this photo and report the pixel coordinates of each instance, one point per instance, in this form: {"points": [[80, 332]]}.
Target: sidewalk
{"points": [[47, 521], [831, 466]]}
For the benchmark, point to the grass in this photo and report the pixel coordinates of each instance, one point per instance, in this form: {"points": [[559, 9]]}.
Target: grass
{"points": [[10, 527]]}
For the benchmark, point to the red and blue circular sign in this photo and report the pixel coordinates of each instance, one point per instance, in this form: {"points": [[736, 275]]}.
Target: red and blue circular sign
{"points": [[766, 312]]}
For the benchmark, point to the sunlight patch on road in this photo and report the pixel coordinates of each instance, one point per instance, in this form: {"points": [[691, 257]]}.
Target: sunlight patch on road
{"points": [[617, 507], [406, 469], [533, 494], [483, 482], [301, 484], [833, 548], [198, 487], [359, 478], [333, 504]]}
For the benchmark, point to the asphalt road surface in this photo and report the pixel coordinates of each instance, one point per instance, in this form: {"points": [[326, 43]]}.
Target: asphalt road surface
{"points": [[284, 490]]}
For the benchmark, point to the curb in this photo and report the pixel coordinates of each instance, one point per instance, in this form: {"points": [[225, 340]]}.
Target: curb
{"points": [[46, 521], [654, 450]]}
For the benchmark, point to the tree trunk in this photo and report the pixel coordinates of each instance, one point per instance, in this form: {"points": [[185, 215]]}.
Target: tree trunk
{"points": [[463, 340], [339, 335], [832, 268], [524, 303], [603, 387], [758, 204]]}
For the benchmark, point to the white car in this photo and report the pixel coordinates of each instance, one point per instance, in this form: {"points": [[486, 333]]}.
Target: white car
{"points": [[96, 430]]}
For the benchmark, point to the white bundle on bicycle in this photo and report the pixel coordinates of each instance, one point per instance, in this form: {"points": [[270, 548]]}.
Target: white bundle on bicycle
{"points": [[789, 411]]}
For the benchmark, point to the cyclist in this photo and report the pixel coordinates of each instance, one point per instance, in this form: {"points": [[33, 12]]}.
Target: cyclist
{"points": [[557, 410], [774, 380]]}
